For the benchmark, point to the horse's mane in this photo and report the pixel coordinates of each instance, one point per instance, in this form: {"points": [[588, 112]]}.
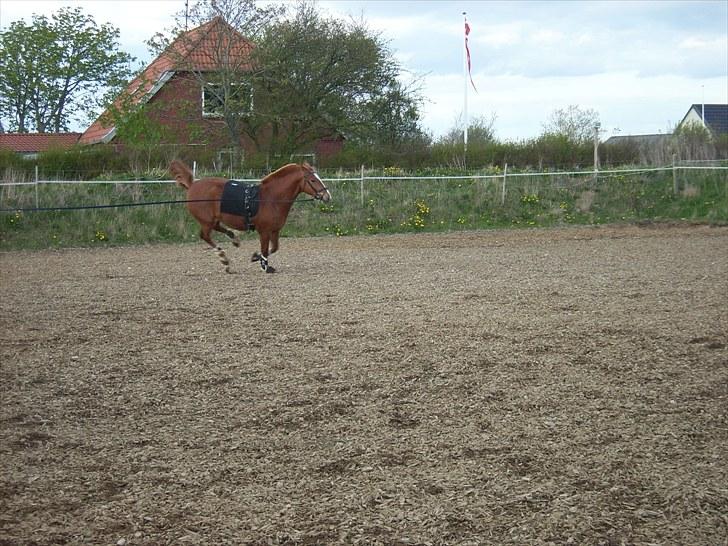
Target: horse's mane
{"points": [[283, 171]]}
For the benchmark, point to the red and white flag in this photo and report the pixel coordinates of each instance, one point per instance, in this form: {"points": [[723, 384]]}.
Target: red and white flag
{"points": [[467, 53]]}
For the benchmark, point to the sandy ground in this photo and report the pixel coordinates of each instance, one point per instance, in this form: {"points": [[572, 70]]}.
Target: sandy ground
{"points": [[501, 387]]}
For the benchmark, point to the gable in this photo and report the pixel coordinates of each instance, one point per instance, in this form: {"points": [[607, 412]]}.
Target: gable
{"points": [[197, 50], [716, 117]]}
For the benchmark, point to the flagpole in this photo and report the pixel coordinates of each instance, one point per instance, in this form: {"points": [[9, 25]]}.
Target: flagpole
{"points": [[465, 86]]}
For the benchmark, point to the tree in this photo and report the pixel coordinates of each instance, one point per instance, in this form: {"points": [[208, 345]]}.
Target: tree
{"points": [[302, 76], [226, 73], [319, 75], [138, 128], [244, 17], [392, 118], [480, 131], [52, 69], [576, 124], [693, 141]]}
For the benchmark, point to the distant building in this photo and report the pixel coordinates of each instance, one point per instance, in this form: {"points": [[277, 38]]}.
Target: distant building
{"points": [[638, 149], [638, 140], [29, 145], [715, 119]]}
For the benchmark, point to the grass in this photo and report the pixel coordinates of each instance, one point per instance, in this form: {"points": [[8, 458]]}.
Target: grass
{"points": [[385, 206]]}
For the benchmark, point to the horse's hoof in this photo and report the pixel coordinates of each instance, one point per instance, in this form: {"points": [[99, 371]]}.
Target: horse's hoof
{"points": [[255, 257], [270, 269]]}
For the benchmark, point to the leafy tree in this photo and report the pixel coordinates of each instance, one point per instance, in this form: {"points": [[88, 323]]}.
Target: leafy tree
{"points": [[480, 131], [304, 76], [244, 17], [482, 144], [574, 123], [138, 127], [237, 24], [392, 118], [52, 69], [317, 75], [560, 151], [693, 141]]}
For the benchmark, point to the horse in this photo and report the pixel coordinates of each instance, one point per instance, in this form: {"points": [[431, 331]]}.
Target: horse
{"points": [[267, 210]]}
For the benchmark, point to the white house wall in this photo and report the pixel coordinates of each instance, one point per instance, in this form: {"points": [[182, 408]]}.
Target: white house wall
{"points": [[693, 117]]}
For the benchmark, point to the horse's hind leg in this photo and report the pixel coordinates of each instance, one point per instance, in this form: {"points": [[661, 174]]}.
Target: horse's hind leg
{"points": [[205, 236], [230, 233]]}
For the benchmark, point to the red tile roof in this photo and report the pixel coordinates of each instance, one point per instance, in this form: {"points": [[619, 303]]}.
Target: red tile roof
{"points": [[37, 142], [195, 50]]}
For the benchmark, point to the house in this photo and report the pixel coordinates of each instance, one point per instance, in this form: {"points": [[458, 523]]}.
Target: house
{"points": [[29, 145], [713, 117], [638, 140], [177, 95], [184, 104], [651, 149]]}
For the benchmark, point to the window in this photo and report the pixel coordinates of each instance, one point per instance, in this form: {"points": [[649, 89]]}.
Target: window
{"points": [[239, 99]]}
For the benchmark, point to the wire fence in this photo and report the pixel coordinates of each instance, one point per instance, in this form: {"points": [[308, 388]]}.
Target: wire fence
{"points": [[43, 212], [365, 180]]}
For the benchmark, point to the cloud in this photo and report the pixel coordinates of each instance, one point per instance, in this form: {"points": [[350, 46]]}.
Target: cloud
{"points": [[547, 37], [499, 37], [639, 64], [699, 43], [138, 20], [403, 26], [625, 100]]}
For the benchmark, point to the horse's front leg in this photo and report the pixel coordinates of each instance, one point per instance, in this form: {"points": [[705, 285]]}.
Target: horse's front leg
{"points": [[273, 242], [262, 257]]}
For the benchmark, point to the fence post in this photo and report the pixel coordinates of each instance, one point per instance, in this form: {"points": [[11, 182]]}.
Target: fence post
{"points": [[194, 169], [36, 186], [596, 153], [675, 187], [503, 189], [361, 185]]}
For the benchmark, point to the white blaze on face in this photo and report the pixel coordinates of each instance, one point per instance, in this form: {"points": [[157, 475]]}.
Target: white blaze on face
{"points": [[327, 194]]}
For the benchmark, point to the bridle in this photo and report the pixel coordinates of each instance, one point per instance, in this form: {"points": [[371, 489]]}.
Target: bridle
{"points": [[310, 177]]}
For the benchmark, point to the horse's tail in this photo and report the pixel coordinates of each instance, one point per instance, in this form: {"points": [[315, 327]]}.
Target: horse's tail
{"points": [[182, 173]]}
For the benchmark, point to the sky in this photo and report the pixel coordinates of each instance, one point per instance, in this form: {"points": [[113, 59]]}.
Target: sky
{"points": [[639, 64]]}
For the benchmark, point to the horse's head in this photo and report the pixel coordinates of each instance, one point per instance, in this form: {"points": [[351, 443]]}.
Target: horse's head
{"points": [[313, 185]]}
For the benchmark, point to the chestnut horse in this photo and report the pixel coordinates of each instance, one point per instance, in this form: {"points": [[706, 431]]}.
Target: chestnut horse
{"points": [[276, 194]]}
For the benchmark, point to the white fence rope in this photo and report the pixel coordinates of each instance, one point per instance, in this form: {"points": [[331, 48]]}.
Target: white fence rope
{"points": [[364, 178], [509, 174]]}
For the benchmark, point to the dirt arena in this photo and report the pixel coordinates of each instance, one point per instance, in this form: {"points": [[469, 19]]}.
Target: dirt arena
{"points": [[534, 387]]}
